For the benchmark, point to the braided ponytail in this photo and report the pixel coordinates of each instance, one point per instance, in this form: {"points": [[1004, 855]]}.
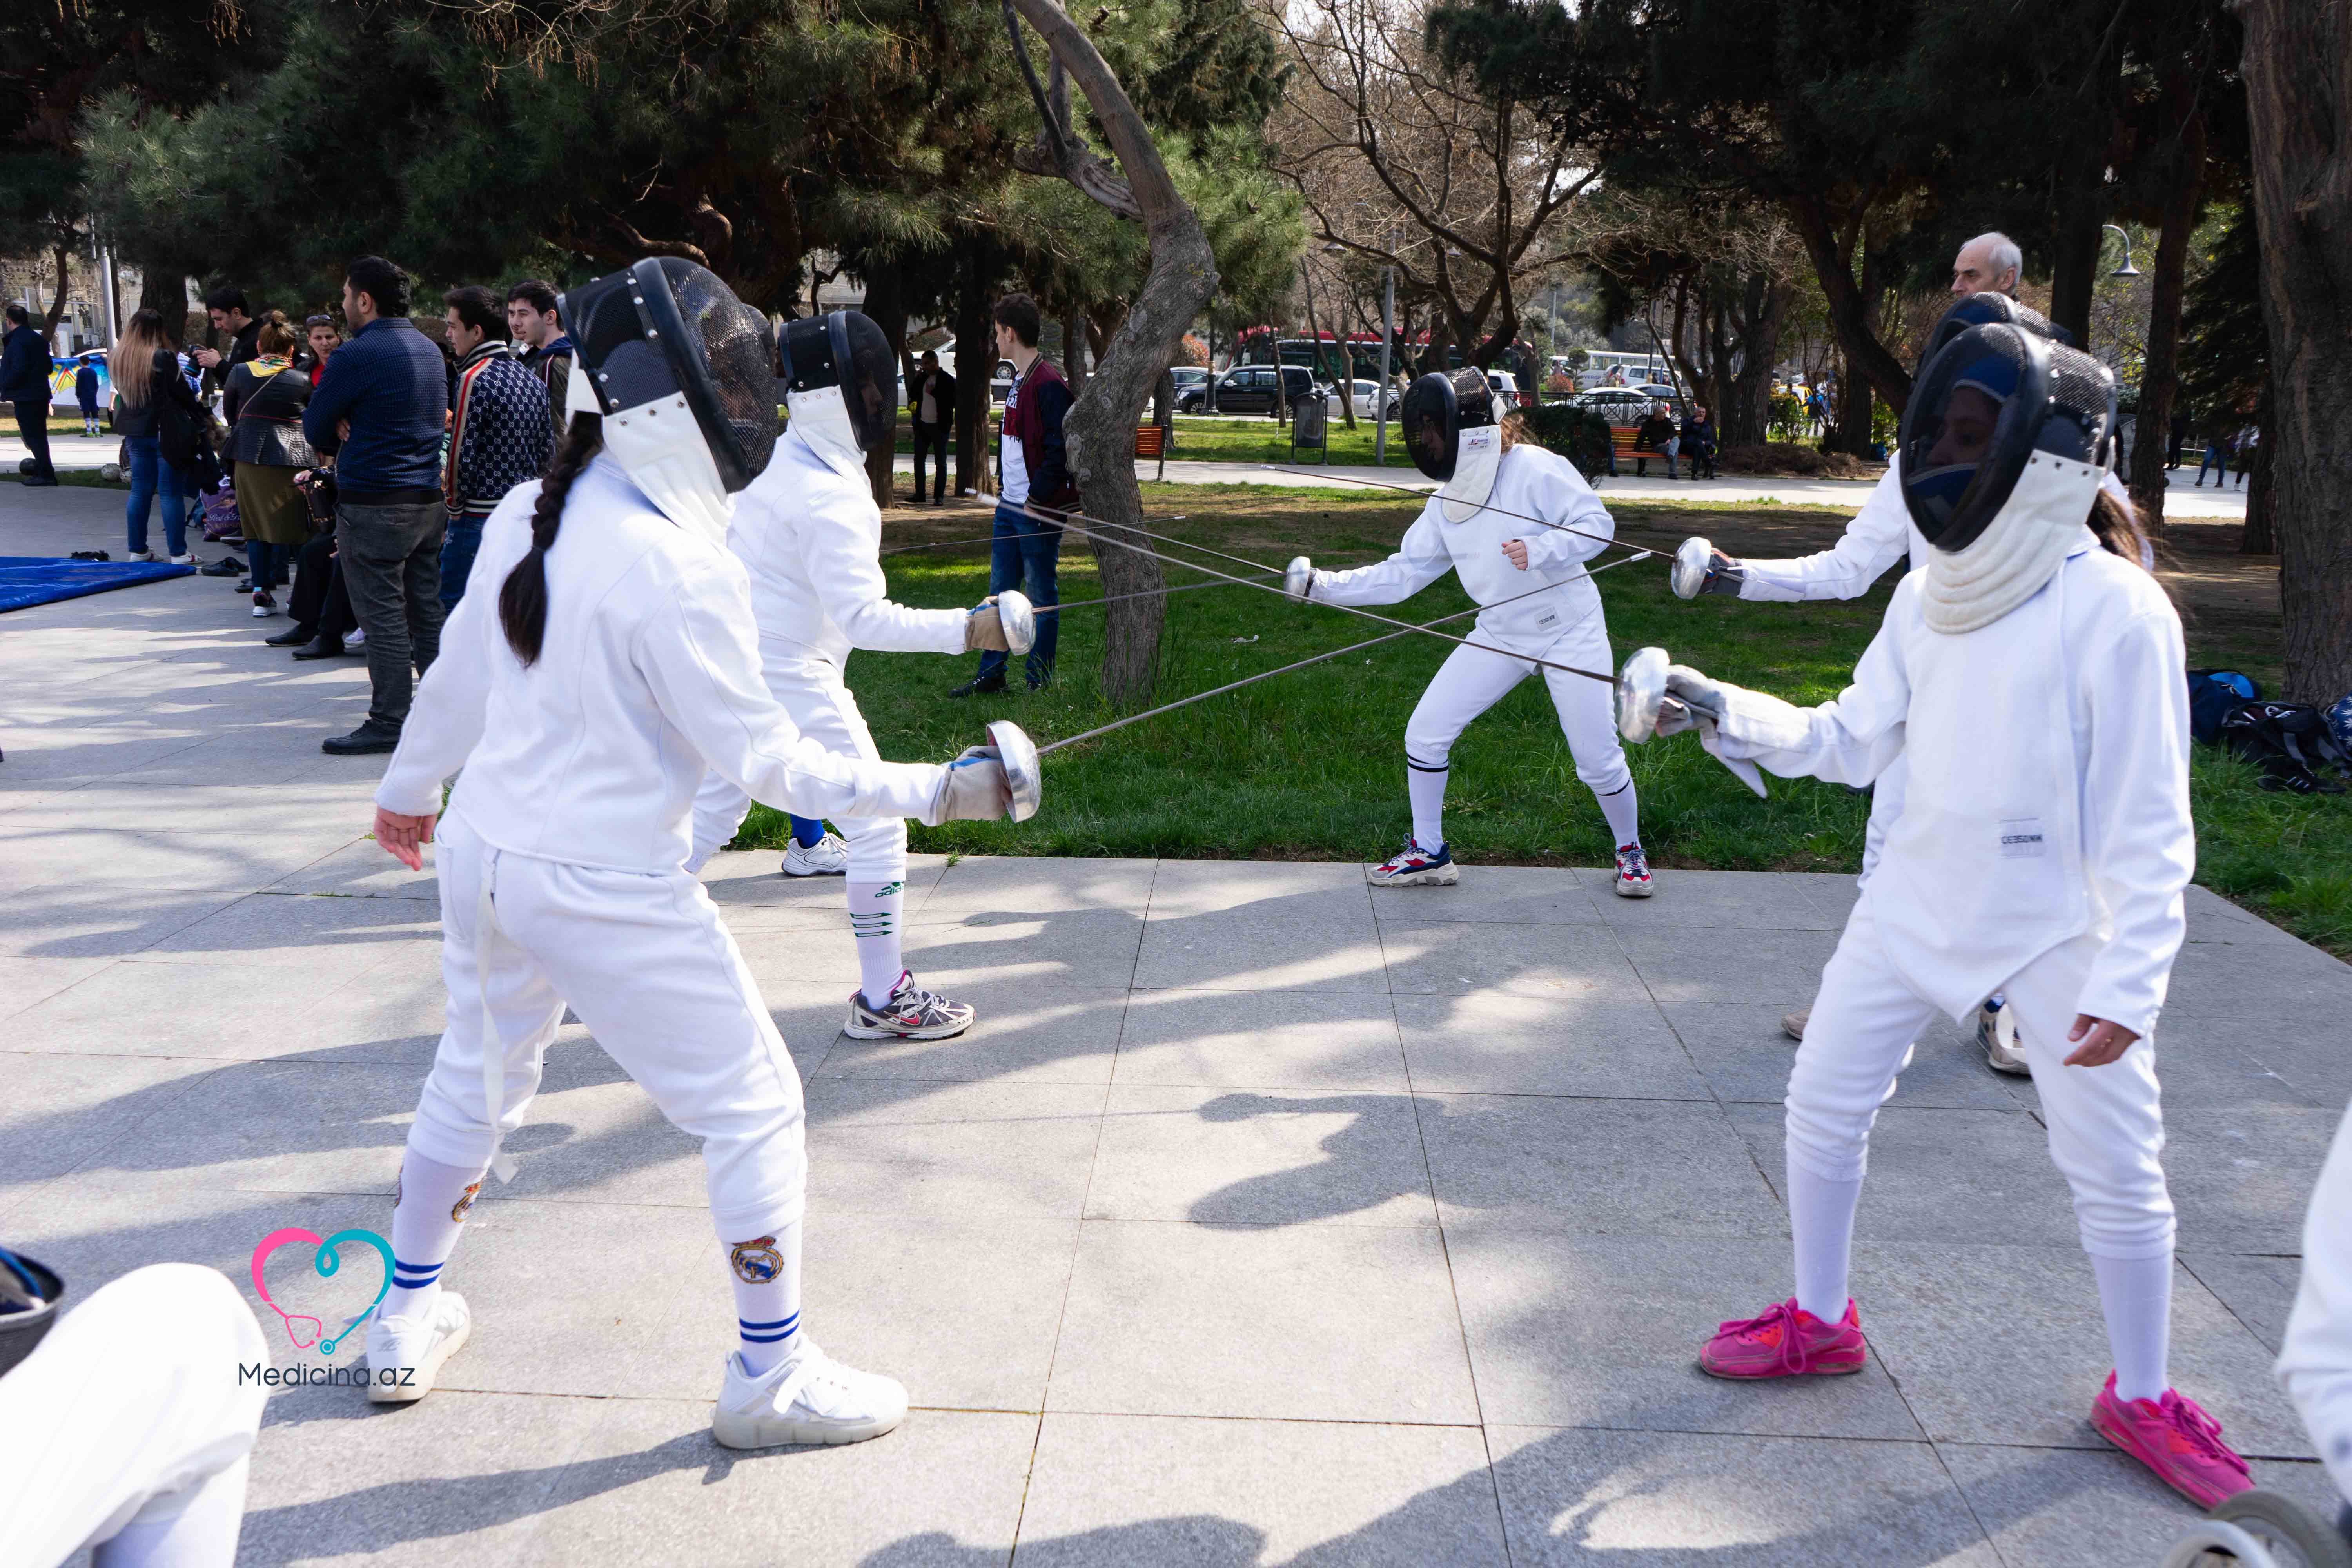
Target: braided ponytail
{"points": [[522, 601]]}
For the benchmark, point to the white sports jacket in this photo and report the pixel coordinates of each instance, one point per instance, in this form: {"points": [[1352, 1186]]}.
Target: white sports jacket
{"points": [[649, 671]]}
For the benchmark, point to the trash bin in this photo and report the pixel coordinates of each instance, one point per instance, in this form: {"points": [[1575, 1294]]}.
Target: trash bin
{"points": [[1310, 424]]}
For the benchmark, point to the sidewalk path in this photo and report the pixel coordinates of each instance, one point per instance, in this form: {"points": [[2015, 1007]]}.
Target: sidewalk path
{"points": [[1262, 1218]]}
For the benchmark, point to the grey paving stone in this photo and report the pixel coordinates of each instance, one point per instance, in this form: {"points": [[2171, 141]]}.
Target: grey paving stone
{"points": [[83, 850], [29, 982], [1501, 1044], [1775, 968], [650, 1486], [793, 961], [1181, 888], [2241, 1176], [2307, 1047], [1744, 1056], [2212, 918], [362, 870], [2248, 982], [744, 880], [2072, 1509], [276, 1127], [1216, 1493], [61, 1112], [1020, 885], [2006, 1344], [1266, 1040], [2204, 1069], [77, 922], [1282, 1322], [1554, 963], [950, 1150], [1982, 1176], [1321, 943], [1736, 901], [1595, 1167], [965, 1315], [1606, 1331], [1228, 1157], [2258, 1290], [1025, 1030], [1084, 947], [194, 1009], [1513, 895], [318, 935], [1682, 1499]]}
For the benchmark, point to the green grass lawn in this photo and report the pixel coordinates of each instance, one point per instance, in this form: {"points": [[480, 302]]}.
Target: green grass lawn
{"points": [[1308, 765], [1249, 439]]}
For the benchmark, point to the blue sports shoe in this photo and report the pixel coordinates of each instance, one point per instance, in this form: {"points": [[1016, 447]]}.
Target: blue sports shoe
{"points": [[1413, 866]]}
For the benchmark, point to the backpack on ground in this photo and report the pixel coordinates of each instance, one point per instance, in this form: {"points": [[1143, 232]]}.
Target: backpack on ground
{"points": [[2211, 694], [2291, 744]]}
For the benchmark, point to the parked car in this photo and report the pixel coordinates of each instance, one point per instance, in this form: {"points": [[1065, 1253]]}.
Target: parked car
{"points": [[1187, 376], [999, 385], [1250, 389], [1507, 387], [1624, 404], [1366, 408]]}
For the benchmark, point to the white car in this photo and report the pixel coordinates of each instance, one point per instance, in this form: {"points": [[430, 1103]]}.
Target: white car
{"points": [[1364, 393]]}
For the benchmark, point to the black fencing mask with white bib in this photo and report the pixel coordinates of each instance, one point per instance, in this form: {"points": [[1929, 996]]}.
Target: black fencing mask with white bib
{"points": [[1455, 437], [841, 387], [2003, 445], [1982, 310], [684, 374]]}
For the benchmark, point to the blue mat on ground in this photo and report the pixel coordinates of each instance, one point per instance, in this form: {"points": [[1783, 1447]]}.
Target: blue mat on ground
{"points": [[29, 580]]}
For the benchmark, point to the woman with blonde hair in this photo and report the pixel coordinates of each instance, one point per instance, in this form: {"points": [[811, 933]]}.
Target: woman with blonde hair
{"points": [[148, 384], [263, 401]]}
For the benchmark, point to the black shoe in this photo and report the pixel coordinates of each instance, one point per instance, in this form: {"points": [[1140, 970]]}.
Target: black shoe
{"points": [[88, 555], [38, 481], [226, 566], [366, 741], [320, 647], [292, 636], [1040, 677], [981, 686]]}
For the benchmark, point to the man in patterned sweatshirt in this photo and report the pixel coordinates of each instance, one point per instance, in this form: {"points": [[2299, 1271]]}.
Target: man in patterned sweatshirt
{"points": [[499, 432]]}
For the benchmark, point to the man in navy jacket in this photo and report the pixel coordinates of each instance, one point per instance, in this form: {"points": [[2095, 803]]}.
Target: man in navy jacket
{"points": [[380, 409], [25, 382]]}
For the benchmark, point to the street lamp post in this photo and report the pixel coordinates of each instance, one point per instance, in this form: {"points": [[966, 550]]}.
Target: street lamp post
{"points": [[1388, 329], [2126, 270]]}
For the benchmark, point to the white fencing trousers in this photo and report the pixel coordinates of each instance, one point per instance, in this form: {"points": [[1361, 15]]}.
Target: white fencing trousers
{"points": [[1472, 679], [811, 691], [132, 1413], [650, 969], [2106, 1124]]}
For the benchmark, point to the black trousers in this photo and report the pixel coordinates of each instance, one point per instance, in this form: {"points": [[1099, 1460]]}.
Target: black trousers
{"points": [[33, 424], [320, 603], [931, 439]]}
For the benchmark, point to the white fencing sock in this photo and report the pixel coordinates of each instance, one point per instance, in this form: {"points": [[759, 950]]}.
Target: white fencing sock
{"points": [[426, 1218], [874, 922], [1624, 809], [1425, 787], [1821, 1219], [767, 1272], [2135, 1295]]}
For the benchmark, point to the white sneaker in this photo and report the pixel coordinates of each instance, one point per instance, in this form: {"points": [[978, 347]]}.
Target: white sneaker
{"points": [[828, 857], [184, 561], [357, 637], [264, 607], [1997, 1032], [405, 1354], [810, 1398], [140, 556]]}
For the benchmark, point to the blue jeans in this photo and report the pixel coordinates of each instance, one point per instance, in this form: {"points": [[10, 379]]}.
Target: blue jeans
{"points": [[2214, 459], [458, 547], [147, 469], [1024, 557], [267, 562]]}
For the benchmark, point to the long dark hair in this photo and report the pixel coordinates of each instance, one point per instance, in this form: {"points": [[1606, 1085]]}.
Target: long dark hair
{"points": [[2117, 524], [522, 601]]}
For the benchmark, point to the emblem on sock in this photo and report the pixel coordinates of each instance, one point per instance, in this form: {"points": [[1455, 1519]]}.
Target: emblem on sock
{"points": [[465, 1201], [756, 1261]]}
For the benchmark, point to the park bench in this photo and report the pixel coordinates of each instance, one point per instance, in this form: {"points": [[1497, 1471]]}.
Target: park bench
{"points": [[1152, 441]]}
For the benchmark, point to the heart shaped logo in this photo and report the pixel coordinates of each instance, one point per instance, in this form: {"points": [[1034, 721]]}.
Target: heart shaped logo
{"points": [[302, 1329]]}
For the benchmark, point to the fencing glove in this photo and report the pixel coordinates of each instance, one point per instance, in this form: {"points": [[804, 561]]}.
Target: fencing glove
{"points": [[973, 788], [1656, 697], [984, 628], [1701, 568], [1001, 622], [1298, 579]]}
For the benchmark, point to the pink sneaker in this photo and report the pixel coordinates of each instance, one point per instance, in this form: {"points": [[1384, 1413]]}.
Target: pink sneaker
{"points": [[2176, 1440], [1785, 1342]]}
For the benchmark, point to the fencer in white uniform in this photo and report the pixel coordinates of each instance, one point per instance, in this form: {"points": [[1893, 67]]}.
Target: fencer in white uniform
{"points": [[810, 535], [603, 657], [2031, 678], [1539, 604], [2315, 1358]]}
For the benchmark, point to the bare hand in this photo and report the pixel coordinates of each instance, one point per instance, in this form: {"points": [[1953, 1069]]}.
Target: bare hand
{"points": [[400, 834], [206, 358], [1515, 551], [342, 430], [2103, 1042]]}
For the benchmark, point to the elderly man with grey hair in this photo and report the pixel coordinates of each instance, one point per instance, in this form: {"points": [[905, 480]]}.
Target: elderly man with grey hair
{"points": [[1989, 264]]}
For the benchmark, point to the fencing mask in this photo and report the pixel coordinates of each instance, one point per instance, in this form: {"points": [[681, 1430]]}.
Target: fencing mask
{"points": [[841, 387], [2003, 444], [1451, 430], [684, 374], [1982, 310]]}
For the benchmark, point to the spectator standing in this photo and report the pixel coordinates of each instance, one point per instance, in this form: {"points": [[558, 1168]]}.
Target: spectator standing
{"points": [[227, 311], [1033, 483], [2179, 438], [2248, 439], [1657, 434], [933, 396], [150, 391], [540, 343], [322, 337], [380, 409], [25, 382], [263, 401], [499, 435], [2217, 457], [1698, 441], [86, 394]]}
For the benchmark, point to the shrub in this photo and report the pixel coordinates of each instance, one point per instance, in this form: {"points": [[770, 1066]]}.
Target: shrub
{"points": [[1579, 434], [1790, 460]]}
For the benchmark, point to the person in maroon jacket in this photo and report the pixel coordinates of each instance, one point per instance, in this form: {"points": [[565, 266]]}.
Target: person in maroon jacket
{"points": [[1034, 485]]}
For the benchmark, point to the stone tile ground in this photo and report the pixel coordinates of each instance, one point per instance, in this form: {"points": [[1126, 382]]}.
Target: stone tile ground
{"points": [[1263, 1218]]}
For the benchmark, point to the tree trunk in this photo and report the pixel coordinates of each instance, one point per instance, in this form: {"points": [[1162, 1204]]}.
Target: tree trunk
{"points": [[2159, 377], [2260, 537], [58, 305], [1100, 426], [975, 363], [886, 307], [164, 288], [1851, 305], [2297, 68], [1746, 417], [1074, 350], [1853, 433]]}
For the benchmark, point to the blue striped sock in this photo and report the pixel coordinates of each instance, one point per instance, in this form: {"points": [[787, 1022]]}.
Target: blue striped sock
{"points": [[767, 1271]]}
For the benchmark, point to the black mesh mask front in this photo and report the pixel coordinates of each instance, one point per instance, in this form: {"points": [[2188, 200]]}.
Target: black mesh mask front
{"points": [[847, 350], [1990, 399]]}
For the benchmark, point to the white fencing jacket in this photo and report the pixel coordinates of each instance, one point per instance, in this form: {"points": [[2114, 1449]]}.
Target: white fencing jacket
{"points": [[2315, 1360], [809, 533], [1535, 483], [649, 671], [2047, 789], [1881, 534]]}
